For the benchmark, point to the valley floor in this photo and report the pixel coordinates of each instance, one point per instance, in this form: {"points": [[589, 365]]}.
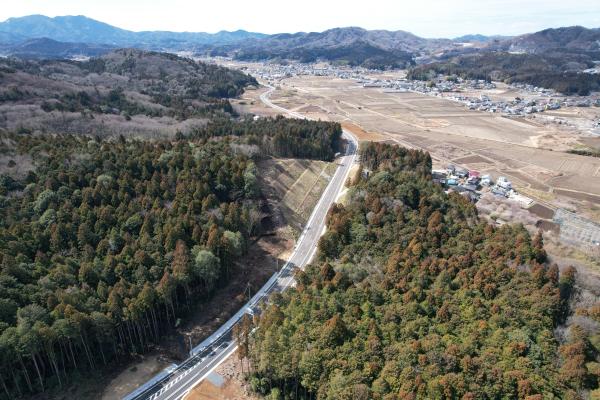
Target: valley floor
{"points": [[530, 151]]}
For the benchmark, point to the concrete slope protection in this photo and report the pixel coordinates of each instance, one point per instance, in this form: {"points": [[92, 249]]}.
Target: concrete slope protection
{"points": [[176, 382]]}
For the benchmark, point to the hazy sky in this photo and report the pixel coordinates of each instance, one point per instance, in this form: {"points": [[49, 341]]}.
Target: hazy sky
{"points": [[428, 18]]}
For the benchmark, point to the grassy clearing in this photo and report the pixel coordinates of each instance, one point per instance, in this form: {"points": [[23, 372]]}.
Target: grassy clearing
{"points": [[536, 194]]}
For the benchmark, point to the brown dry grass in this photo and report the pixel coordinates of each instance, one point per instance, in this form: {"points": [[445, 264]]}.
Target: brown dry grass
{"points": [[537, 194], [363, 135], [250, 103], [525, 147]]}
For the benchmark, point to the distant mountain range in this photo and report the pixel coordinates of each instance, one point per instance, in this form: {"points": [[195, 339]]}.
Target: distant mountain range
{"points": [[572, 38], [387, 40], [352, 45], [37, 36], [379, 48], [560, 59], [83, 29], [476, 38]]}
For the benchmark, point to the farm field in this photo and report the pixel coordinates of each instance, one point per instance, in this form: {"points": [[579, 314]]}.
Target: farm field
{"points": [[528, 151]]}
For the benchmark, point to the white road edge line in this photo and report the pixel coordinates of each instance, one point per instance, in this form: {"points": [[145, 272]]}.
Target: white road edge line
{"points": [[195, 382], [192, 386]]}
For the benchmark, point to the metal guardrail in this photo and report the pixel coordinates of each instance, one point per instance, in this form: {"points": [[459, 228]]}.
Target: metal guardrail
{"points": [[159, 377]]}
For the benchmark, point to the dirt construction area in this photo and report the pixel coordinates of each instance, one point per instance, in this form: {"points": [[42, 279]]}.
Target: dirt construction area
{"points": [[226, 382]]}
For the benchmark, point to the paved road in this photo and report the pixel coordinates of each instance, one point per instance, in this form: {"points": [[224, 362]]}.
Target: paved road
{"points": [[176, 382]]}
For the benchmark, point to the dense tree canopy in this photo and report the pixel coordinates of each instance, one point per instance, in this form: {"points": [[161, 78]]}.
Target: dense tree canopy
{"points": [[106, 243], [281, 137], [412, 296]]}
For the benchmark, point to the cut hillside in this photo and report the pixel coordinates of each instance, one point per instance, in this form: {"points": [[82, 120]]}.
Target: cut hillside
{"points": [[293, 187], [167, 236]]}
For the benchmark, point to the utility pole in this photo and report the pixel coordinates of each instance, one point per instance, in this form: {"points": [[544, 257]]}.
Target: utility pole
{"points": [[248, 290]]}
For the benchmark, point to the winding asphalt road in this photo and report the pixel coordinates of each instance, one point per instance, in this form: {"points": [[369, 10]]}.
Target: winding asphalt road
{"points": [[177, 381]]}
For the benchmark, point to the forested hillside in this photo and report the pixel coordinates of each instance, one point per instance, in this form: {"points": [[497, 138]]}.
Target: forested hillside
{"points": [[123, 92], [105, 244], [279, 136], [412, 296], [559, 69], [377, 49]]}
